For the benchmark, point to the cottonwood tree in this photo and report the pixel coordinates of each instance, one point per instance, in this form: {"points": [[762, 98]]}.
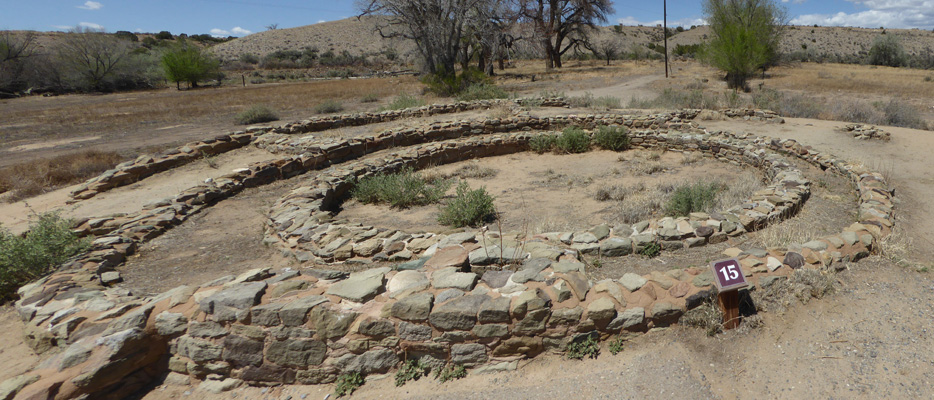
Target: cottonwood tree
{"points": [[15, 53], [186, 62], [562, 25], [93, 57], [746, 35]]}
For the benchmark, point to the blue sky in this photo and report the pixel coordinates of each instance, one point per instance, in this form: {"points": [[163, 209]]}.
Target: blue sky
{"points": [[242, 17]]}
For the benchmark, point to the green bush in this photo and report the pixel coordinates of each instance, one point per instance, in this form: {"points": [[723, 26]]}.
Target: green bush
{"points": [[468, 208], [164, 35], [572, 140], [401, 189], [49, 242], [348, 383], [887, 50], [543, 143], [482, 91], [614, 138], [329, 107], [255, 115], [411, 370], [449, 84], [249, 58], [589, 347], [187, 63], [403, 101], [692, 198]]}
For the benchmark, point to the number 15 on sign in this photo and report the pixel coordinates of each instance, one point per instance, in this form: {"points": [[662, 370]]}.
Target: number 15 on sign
{"points": [[728, 275]]}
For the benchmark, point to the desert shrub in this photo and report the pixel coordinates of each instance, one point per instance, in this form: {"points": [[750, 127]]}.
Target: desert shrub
{"points": [[348, 383], [614, 138], [572, 140], [706, 316], [403, 101], [127, 35], [899, 113], [673, 98], [543, 143], [482, 91], [369, 98], [579, 349], [49, 242], [887, 50], [468, 207], [474, 171], [249, 58], [256, 114], [401, 189], [329, 107], [450, 372], [344, 73], [589, 101], [411, 370], [39, 176], [164, 35], [789, 105], [690, 198], [448, 84]]}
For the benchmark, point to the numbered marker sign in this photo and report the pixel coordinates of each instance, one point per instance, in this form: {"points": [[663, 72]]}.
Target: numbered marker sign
{"points": [[728, 275]]}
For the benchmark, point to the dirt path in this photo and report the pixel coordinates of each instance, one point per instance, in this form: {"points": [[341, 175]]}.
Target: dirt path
{"points": [[636, 87]]}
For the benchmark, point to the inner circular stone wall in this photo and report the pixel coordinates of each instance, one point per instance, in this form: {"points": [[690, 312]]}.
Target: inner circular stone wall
{"points": [[264, 327]]}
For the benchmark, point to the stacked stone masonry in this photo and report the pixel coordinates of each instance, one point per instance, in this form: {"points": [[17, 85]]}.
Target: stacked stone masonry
{"points": [[289, 326]]}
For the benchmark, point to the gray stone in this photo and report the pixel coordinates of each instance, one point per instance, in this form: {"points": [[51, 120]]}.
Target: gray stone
{"points": [[414, 332], [815, 245], [533, 323], [283, 275], [240, 351], [449, 278], [601, 231], [110, 278], [371, 362], [849, 237], [767, 281], [168, 324], [793, 260], [133, 319], [495, 255], [758, 253], [468, 354], [456, 239], [240, 296], [75, 354], [454, 337], [602, 309], [578, 283], [198, 350], [360, 287], [616, 247], [640, 227], [286, 287], [217, 387], [331, 324], [416, 307], [295, 312], [612, 288], [495, 310], [527, 301], [665, 313], [407, 281], [10, 387], [627, 319], [377, 328], [252, 275], [703, 280], [325, 274], [457, 314], [412, 265], [564, 267], [584, 237], [640, 241], [496, 368], [632, 282], [266, 314], [206, 329], [496, 279], [562, 291], [448, 294], [296, 353], [490, 331]]}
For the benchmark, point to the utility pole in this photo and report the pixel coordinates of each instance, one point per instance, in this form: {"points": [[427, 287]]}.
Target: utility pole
{"points": [[665, 32]]}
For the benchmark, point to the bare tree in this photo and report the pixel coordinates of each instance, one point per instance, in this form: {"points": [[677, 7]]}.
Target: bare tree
{"points": [[564, 24], [272, 27], [15, 52], [607, 47], [93, 56]]}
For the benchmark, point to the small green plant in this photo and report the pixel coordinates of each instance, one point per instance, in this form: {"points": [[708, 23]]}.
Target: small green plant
{"points": [[411, 370], [403, 101], [255, 115], [589, 347], [614, 138], [651, 250], [49, 242], [468, 207], [572, 140], [329, 107], [692, 198], [616, 345], [348, 383], [370, 98], [450, 372], [482, 91], [401, 189], [543, 143]]}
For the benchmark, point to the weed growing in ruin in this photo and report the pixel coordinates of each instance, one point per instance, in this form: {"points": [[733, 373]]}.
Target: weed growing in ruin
{"points": [[615, 138], [801, 286], [369, 98], [572, 140], [255, 115], [348, 383], [616, 345], [403, 101], [210, 160], [651, 250], [589, 347], [450, 372], [706, 316], [543, 143], [402, 189], [49, 242], [329, 107], [468, 207], [692, 198], [411, 370], [473, 171], [597, 103]]}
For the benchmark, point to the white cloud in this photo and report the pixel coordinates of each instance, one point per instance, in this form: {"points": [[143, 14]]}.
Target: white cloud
{"points": [[236, 31], [887, 13], [794, 1], [91, 5], [685, 22], [91, 25], [321, 20]]}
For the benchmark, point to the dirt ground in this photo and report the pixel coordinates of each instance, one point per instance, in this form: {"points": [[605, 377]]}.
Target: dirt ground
{"points": [[871, 338]]}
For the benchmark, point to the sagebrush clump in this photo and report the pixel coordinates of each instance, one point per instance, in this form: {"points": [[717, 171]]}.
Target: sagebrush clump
{"points": [[615, 138], [400, 190], [49, 242], [256, 114], [572, 140], [329, 107], [469, 207]]}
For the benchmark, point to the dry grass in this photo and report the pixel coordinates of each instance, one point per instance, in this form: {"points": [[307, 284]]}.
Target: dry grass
{"points": [[803, 285], [37, 177], [795, 230], [859, 79]]}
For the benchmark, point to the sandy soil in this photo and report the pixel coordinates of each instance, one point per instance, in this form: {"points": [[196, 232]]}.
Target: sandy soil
{"points": [[16, 355], [538, 193]]}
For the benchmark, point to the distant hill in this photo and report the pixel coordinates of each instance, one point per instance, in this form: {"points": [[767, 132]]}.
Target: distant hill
{"points": [[359, 36]]}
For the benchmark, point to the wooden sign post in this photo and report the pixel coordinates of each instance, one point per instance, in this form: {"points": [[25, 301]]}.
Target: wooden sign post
{"points": [[729, 279]]}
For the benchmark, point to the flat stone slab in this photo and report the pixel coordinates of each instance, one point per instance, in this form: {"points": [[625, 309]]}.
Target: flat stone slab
{"points": [[458, 314], [361, 286], [240, 296], [632, 282], [407, 281], [449, 278]]}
